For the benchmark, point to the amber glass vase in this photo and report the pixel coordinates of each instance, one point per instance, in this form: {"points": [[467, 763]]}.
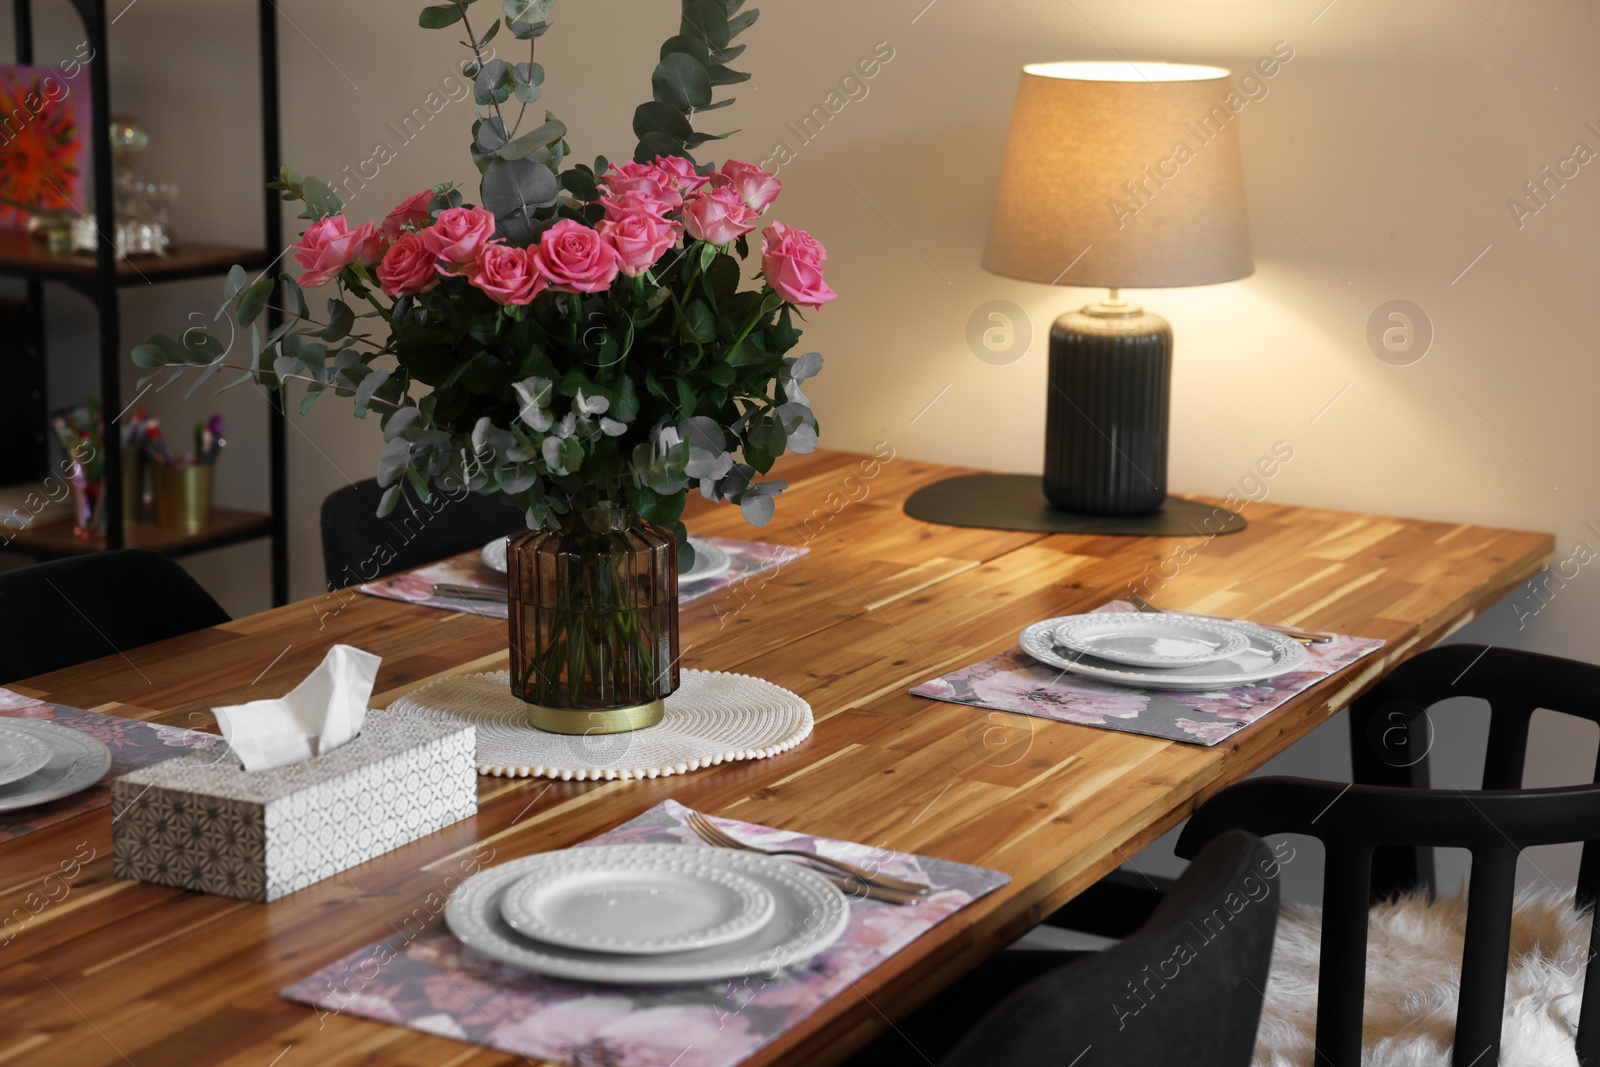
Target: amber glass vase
{"points": [[594, 622]]}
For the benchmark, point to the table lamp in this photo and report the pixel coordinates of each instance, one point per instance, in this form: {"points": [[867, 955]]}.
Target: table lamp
{"points": [[1122, 176]]}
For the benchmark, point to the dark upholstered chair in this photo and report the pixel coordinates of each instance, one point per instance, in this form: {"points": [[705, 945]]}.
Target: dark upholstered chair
{"points": [[70, 611], [357, 546], [1379, 837], [1185, 989]]}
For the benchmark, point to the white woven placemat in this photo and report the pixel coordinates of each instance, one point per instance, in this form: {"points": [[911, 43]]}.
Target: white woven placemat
{"points": [[714, 717]]}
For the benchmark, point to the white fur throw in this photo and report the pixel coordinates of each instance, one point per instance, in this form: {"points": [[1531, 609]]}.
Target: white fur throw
{"points": [[1413, 980]]}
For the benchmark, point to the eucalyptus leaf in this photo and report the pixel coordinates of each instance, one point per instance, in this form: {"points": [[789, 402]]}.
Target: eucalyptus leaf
{"points": [[543, 135], [438, 16], [662, 118], [681, 81], [369, 386], [528, 10], [493, 83], [513, 189]]}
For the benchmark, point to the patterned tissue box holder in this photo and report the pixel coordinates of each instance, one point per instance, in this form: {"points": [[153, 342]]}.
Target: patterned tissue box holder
{"points": [[201, 822]]}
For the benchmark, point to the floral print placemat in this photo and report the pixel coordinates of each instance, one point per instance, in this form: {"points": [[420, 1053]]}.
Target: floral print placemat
{"points": [[423, 978], [132, 743], [416, 586], [1015, 681]]}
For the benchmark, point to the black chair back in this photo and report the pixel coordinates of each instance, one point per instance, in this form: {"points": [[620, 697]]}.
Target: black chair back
{"points": [[357, 546], [71, 611], [1391, 730], [1186, 989], [1354, 820]]}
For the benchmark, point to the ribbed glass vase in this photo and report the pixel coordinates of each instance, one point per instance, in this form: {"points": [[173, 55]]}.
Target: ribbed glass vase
{"points": [[594, 622]]}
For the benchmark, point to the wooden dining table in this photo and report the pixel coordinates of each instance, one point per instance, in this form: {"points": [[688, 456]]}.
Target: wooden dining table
{"points": [[119, 972]]}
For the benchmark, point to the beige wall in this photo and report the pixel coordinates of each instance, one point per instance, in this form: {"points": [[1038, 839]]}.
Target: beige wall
{"points": [[1382, 159]]}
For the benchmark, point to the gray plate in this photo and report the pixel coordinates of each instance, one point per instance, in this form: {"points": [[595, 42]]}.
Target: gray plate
{"points": [[21, 754], [1269, 655], [709, 560], [809, 915], [77, 761]]}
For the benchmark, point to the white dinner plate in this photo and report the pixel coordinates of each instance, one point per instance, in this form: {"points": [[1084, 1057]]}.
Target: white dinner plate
{"points": [[640, 900], [709, 560], [77, 761], [1143, 640], [809, 915], [1269, 654], [494, 555], [20, 754]]}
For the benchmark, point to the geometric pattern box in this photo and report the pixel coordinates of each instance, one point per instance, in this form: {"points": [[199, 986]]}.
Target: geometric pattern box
{"points": [[202, 822]]}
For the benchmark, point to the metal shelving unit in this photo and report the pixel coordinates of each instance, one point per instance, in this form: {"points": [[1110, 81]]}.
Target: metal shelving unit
{"points": [[100, 277]]}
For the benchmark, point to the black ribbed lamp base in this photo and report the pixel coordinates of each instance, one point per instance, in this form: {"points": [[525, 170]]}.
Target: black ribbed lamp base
{"points": [[1017, 502], [1105, 430]]}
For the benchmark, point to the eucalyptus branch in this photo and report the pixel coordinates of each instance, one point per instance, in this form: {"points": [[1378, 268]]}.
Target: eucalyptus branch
{"points": [[337, 388], [477, 53]]}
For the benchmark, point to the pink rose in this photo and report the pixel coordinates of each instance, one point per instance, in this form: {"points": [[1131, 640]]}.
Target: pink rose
{"points": [[507, 274], [717, 216], [575, 258], [791, 261], [457, 236], [755, 187], [640, 240], [408, 266], [646, 181], [413, 210], [680, 173], [329, 246]]}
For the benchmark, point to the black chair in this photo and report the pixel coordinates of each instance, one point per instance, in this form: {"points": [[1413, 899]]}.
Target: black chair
{"points": [[1186, 989], [357, 546], [70, 611], [1359, 822]]}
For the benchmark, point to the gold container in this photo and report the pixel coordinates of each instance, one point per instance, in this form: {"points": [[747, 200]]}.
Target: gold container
{"points": [[133, 476], [586, 721], [182, 497]]}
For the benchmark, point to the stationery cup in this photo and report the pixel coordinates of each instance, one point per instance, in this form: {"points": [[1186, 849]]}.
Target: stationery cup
{"points": [[133, 475], [182, 497]]}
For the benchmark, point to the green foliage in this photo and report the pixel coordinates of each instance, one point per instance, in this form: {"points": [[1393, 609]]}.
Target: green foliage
{"points": [[693, 62], [673, 380]]}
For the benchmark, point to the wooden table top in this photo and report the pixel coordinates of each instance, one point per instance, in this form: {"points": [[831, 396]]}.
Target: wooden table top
{"points": [[101, 971]]}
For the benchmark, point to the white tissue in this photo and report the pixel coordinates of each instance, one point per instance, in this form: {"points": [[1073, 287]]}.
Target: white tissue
{"points": [[316, 717]]}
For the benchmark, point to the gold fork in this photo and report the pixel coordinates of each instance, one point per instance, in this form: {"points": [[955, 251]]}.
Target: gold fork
{"points": [[713, 835], [1305, 637]]}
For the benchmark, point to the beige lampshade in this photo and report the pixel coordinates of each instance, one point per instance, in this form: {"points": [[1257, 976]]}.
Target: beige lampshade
{"points": [[1121, 175]]}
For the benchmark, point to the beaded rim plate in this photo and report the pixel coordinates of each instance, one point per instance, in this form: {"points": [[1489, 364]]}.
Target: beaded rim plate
{"points": [[635, 899], [1143, 640], [709, 560], [77, 761], [1269, 655], [809, 915], [21, 754]]}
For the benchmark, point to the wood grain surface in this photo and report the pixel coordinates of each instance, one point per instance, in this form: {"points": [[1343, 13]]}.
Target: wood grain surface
{"points": [[99, 971]]}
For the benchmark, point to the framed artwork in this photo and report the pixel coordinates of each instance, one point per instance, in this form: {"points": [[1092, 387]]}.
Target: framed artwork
{"points": [[44, 142]]}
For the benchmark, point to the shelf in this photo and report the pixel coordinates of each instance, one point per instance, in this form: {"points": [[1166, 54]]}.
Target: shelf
{"points": [[52, 540], [22, 256]]}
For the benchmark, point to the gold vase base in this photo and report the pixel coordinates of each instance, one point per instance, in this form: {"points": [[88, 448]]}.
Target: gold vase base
{"points": [[595, 720]]}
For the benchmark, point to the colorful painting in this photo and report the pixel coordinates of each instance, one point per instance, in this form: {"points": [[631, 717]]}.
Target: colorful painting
{"points": [[416, 586], [423, 978], [44, 124], [132, 743], [1015, 681]]}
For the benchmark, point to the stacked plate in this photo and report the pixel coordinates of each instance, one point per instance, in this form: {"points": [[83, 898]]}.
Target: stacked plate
{"points": [[647, 914], [1166, 651], [709, 560], [43, 761]]}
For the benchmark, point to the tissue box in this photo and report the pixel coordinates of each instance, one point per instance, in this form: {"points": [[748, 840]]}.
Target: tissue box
{"points": [[202, 822]]}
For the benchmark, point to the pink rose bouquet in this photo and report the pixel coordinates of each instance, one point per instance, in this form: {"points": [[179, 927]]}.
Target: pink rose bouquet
{"points": [[585, 335]]}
